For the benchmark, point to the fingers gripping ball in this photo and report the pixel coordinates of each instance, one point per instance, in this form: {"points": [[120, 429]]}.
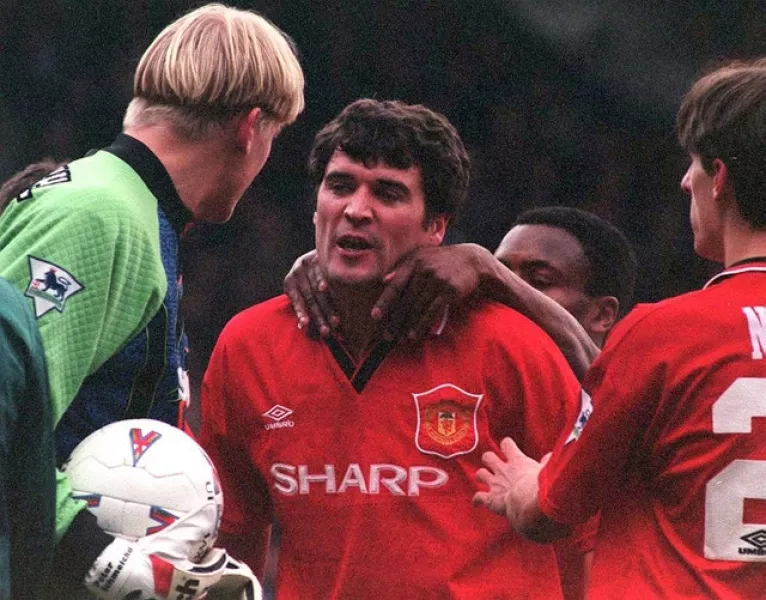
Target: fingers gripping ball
{"points": [[129, 571], [140, 476]]}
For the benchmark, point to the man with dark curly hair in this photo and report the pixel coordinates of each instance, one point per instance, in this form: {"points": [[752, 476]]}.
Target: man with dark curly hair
{"points": [[362, 447]]}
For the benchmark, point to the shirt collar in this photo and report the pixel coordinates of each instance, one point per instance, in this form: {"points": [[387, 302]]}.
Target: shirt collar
{"points": [[749, 265], [149, 168]]}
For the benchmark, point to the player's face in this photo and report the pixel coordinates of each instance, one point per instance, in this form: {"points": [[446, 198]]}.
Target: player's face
{"points": [[366, 219], [703, 211], [550, 260], [246, 163]]}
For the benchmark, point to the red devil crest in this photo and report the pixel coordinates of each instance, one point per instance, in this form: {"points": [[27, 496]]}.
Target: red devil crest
{"points": [[447, 421]]}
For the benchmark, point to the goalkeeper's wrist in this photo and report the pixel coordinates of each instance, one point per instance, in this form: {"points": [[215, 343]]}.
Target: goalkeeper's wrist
{"points": [[115, 561], [78, 549]]}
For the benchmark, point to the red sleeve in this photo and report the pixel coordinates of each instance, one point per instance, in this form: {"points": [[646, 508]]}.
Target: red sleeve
{"points": [[549, 393], [617, 402], [570, 556], [247, 505]]}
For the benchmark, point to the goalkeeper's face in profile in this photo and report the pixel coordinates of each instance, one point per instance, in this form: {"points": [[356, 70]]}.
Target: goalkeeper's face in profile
{"points": [[211, 93]]}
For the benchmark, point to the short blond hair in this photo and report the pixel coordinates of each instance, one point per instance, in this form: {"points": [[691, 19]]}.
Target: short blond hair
{"points": [[213, 63]]}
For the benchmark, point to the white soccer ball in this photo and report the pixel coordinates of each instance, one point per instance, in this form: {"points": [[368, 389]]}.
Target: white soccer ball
{"points": [[139, 476]]}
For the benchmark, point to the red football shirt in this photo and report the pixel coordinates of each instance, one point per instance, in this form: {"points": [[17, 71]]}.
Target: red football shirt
{"points": [[671, 444], [370, 467]]}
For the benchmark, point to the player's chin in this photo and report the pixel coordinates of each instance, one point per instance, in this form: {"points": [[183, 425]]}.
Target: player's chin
{"points": [[218, 211], [356, 278], [217, 217]]}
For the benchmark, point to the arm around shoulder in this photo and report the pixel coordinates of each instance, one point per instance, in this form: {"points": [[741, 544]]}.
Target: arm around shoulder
{"points": [[503, 285]]}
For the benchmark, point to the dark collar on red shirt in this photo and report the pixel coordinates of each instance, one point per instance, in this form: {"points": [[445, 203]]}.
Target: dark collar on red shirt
{"points": [[747, 265], [149, 168]]}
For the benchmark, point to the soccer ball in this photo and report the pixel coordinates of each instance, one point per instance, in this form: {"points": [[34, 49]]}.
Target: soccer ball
{"points": [[139, 476]]}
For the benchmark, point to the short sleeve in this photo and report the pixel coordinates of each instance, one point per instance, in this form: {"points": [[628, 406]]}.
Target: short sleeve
{"points": [[618, 397], [247, 504]]}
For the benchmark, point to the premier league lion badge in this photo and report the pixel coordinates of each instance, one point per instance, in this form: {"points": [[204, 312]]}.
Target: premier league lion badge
{"points": [[50, 286], [447, 421]]}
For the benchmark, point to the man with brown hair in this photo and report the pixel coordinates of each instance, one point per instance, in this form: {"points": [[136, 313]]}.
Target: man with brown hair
{"points": [[553, 255], [93, 247], [670, 443], [363, 448]]}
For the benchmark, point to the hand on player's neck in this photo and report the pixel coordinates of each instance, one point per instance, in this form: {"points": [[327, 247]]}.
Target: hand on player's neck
{"points": [[357, 327]]}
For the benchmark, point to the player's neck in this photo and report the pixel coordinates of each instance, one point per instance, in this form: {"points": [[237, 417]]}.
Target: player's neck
{"points": [[358, 329], [198, 169], [743, 242]]}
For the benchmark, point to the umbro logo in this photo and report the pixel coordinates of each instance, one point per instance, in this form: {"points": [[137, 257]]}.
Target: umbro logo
{"points": [[279, 414], [756, 539]]}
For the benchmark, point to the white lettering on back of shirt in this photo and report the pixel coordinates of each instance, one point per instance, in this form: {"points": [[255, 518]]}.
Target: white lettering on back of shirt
{"points": [[756, 324]]}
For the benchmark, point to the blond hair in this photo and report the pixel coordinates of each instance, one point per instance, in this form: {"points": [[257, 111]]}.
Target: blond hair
{"points": [[211, 64]]}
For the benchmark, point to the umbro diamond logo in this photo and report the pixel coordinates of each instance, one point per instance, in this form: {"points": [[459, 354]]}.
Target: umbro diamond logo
{"points": [[756, 538], [279, 414]]}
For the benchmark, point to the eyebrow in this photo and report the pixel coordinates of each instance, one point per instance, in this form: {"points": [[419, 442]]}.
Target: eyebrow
{"points": [[533, 263], [394, 185], [383, 182], [337, 176], [538, 264]]}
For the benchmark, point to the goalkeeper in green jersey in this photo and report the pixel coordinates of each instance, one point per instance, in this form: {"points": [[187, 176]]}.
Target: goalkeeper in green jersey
{"points": [[93, 247]]}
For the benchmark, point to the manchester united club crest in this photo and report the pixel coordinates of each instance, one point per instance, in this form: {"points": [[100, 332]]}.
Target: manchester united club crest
{"points": [[447, 421]]}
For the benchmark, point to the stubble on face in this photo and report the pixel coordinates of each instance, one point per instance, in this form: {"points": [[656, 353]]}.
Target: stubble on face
{"points": [[367, 218]]}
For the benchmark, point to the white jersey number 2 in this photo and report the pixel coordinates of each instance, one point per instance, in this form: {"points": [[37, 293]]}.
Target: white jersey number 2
{"points": [[727, 537]]}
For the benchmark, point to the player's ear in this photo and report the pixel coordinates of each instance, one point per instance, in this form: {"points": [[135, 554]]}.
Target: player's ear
{"points": [[247, 127], [720, 176], [603, 314], [437, 228]]}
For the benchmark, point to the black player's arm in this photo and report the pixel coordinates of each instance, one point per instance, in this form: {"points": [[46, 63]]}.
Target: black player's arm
{"points": [[501, 284]]}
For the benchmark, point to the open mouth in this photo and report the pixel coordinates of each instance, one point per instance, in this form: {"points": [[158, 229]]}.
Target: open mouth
{"points": [[352, 242]]}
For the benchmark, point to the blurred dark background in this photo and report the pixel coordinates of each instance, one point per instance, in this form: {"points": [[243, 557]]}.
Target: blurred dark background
{"points": [[559, 102]]}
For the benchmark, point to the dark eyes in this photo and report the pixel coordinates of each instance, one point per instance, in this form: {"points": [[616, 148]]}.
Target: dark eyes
{"points": [[389, 194], [537, 279], [539, 283], [339, 187], [384, 193]]}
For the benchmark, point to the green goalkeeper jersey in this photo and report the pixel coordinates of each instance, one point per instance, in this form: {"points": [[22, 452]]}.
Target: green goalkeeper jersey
{"points": [[93, 248]]}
